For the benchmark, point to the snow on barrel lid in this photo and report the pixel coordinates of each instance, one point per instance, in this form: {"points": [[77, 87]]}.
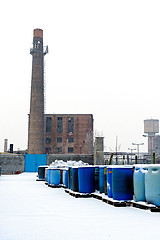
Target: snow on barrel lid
{"points": [[120, 166]]}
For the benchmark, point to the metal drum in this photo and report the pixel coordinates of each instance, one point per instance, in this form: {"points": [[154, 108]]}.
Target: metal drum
{"points": [[109, 182], [86, 179], [65, 177], [101, 179], [41, 172], [55, 178], [96, 178], [122, 183], [70, 178], [75, 179]]}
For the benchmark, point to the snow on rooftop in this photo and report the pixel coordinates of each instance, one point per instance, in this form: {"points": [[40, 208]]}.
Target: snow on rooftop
{"points": [[31, 210]]}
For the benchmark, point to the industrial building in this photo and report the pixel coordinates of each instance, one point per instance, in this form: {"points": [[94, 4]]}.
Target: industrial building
{"points": [[69, 133]]}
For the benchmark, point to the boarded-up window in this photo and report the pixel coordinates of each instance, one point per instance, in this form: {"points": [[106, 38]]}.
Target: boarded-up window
{"points": [[71, 125], [59, 125]]}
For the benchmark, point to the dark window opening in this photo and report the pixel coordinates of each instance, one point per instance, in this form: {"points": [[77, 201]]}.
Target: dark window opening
{"points": [[70, 140], [70, 150], [59, 150], [59, 139], [48, 150], [71, 125], [48, 124], [59, 125], [48, 140]]}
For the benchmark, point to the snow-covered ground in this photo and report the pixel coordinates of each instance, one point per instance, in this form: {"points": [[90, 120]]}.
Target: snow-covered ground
{"points": [[30, 210]]}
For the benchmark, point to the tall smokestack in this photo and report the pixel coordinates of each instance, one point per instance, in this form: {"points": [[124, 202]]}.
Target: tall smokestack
{"points": [[36, 116]]}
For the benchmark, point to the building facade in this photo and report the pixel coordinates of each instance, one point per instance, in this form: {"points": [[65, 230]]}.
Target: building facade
{"points": [[68, 133]]}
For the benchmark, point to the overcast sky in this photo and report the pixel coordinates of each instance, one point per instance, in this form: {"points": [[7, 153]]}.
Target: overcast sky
{"points": [[104, 59]]}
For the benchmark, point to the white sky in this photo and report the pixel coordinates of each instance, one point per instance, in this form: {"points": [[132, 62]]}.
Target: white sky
{"points": [[104, 59]]}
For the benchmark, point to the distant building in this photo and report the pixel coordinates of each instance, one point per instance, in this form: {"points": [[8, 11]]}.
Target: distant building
{"points": [[69, 133], [151, 127]]}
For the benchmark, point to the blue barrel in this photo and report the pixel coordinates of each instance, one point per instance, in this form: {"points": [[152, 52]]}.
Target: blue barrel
{"points": [[139, 182], [152, 184], [101, 179], [65, 178], [70, 178], [0, 171], [61, 175], [41, 172], [105, 180], [46, 174], [109, 182], [122, 183], [55, 176], [96, 178], [75, 187], [49, 175], [86, 179]]}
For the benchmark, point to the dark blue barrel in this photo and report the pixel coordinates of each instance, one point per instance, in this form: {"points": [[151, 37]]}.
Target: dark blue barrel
{"points": [[105, 180], [96, 178], [75, 179], [70, 178], [46, 175], [139, 182], [109, 182], [61, 176], [122, 183], [101, 179], [41, 172], [152, 184], [86, 179], [49, 175], [55, 176], [0, 171], [65, 178]]}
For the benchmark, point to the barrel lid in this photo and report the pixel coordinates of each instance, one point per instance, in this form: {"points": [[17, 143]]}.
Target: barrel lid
{"points": [[120, 166], [103, 166], [87, 166], [140, 166], [54, 168], [154, 166]]}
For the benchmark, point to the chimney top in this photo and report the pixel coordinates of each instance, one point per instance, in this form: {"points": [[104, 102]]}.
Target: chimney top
{"points": [[38, 33]]}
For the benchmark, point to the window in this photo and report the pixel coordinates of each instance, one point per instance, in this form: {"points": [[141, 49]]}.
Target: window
{"points": [[59, 139], [48, 150], [48, 124], [70, 140], [71, 125], [48, 140], [70, 150], [59, 125], [59, 150]]}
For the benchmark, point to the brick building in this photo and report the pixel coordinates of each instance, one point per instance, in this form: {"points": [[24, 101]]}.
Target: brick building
{"points": [[69, 133]]}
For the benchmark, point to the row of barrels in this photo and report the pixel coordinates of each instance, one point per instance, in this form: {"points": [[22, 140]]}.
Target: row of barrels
{"points": [[123, 183]]}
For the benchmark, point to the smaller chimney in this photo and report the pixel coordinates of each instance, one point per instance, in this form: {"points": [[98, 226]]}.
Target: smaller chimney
{"points": [[5, 145]]}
